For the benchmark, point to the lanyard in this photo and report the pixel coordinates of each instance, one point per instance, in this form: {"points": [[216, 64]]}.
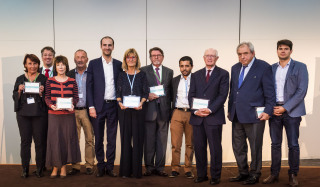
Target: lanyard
{"points": [[34, 79], [186, 84], [160, 80], [131, 83], [80, 81]]}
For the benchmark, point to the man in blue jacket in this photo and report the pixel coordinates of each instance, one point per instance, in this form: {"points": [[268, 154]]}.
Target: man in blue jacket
{"points": [[251, 88], [291, 85]]}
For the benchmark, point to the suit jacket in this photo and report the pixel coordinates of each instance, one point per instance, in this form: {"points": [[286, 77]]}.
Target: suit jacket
{"points": [[96, 82], [256, 90], [295, 88], [174, 87], [72, 73], [216, 91], [165, 101], [54, 73]]}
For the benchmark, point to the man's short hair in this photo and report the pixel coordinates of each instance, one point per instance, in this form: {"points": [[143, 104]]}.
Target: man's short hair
{"points": [[186, 58], [285, 42], [49, 49], [155, 49], [107, 37], [249, 44]]}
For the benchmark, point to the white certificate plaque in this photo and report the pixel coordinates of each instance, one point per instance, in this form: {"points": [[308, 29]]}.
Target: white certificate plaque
{"points": [[32, 87], [64, 103], [259, 111], [158, 90], [199, 103], [131, 101]]}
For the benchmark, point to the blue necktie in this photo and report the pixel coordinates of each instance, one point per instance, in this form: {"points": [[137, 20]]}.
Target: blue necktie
{"points": [[241, 76]]}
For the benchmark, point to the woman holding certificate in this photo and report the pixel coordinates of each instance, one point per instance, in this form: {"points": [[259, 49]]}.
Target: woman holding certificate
{"points": [[31, 111], [132, 92], [61, 97]]}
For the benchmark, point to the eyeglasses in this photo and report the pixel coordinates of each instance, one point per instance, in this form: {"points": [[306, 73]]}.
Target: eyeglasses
{"points": [[210, 56], [158, 56], [131, 57]]}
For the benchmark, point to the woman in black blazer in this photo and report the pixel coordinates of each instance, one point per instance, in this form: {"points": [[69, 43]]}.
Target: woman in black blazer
{"points": [[31, 113]]}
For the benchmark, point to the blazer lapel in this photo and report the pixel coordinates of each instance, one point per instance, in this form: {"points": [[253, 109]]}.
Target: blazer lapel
{"points": [[237, 70], [101, 72], [290, 70], [213, 74], [152, 76], [164, 75], [249, 74]]}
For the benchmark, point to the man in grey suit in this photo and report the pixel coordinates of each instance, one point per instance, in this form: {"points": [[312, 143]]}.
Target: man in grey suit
{"points": [[291, 84], [158, 113]]}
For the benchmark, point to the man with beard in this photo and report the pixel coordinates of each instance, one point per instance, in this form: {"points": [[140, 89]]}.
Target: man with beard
{"points": [[47, 55], [81, 112], [101, 98], [291, 85], [158, 110]]}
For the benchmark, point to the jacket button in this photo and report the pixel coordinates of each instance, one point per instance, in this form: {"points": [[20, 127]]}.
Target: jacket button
{"points": [[237, 92]]}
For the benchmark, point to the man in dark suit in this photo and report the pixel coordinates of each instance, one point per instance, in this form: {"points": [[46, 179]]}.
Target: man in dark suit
{"points": [[251, 87], [291, 85], [81, 112], [211, 84], [47, 55], [180, 119], [101, 97], [158, 114]]}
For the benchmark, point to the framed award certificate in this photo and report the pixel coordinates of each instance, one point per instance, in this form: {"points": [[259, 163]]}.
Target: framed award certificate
{"points": [[32, 87], [158, 90], [259, 111], [131, 101], [199, 103], [64, 103]]}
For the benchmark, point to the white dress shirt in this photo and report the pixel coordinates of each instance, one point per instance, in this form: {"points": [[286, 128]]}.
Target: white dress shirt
{"points": [[182, 92], [50, 72], [110, 90], [210, 71], [281, 74], [247, 68]]}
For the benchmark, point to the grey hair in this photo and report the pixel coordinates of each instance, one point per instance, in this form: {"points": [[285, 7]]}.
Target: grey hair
{"points": [[249, 44]]}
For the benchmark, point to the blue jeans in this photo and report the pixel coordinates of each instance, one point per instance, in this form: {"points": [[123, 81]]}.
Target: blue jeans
{"points": [[291, 125]]}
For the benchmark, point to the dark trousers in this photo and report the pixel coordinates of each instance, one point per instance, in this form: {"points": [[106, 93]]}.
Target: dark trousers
{"points": [[291, 125], [254, 133], [108, 114], [155, 144], [212, 134], [132, 137], [33, 127]]}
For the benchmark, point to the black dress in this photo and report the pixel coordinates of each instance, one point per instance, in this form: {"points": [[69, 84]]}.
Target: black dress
{"points": [[32, 122], [132, 125]]}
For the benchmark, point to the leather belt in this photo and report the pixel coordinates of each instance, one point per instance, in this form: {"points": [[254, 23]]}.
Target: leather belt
{"points": [[280, 103], [183, 109], [110, 101], [80, 108]]}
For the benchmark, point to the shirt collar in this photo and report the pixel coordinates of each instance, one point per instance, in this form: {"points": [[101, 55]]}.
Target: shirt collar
{"points": [[210, 68], [188, 78], [250, 64], [104, 61], [154, 67], [77, 71], [287, 64]]}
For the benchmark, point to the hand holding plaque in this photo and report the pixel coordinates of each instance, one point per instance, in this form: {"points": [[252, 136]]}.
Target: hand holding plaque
{"points": [[32, 87], [131, 101], [158, 90], [199, 103], [64, 103]]}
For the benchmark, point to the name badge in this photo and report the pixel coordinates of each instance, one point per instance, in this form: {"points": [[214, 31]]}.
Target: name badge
{"points": [[32, 87], [158, 90], [199, 103], [64, 103], [259, 111], [131, 101], [80, 95], [30, 100]]}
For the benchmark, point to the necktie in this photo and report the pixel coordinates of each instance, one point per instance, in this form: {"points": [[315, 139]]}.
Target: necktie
{"points": [[241, 76], [47, 73], [208, 76], [158, 76]]}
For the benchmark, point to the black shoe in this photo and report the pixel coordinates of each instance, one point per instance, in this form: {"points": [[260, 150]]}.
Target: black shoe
{"points": [[147, 173], [100, 172], [214, 181], [238, 178], [251, 180], [111, 173], [189, 175], [293, 181], [200, 179], [161, 173], [39, 172], [73, 171], [271, 179], [89, 171], [25, 172], [174, 174]]}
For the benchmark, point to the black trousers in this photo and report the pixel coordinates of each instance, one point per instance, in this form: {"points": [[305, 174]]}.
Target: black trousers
{"points": [[33, 127], [132, 138]]}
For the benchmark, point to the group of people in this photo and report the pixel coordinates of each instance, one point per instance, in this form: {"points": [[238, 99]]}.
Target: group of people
{"points": [[146, 99]]}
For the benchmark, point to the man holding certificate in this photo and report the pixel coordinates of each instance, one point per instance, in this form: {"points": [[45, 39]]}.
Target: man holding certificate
{"points": [[158, 113], [208, 92], [132, 92], [251, 88]]}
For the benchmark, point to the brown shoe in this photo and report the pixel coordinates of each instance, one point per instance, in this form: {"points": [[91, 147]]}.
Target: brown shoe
{"points": [[271, 179], [293, 181]]}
